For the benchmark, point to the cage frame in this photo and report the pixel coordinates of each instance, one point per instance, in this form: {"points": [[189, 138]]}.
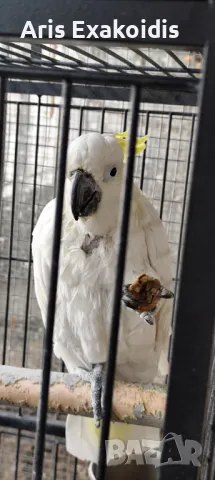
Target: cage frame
{"points": [[195, 371]]}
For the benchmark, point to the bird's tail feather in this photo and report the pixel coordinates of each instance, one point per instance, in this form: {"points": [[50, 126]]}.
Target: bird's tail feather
{"points": [[82, 437]]}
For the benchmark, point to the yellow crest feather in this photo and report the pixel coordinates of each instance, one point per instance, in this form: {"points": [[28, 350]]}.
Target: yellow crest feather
{"points": [[140, 142]]}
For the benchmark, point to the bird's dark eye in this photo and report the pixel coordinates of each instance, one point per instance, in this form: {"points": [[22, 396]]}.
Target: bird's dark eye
{"points": [[109, 173], [113, 172]]}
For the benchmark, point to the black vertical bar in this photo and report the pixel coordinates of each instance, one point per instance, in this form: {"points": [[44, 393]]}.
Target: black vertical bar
{"points": [[185, 198], [194, 320], [208, 469], [75, 469], [2, 130], [56, 449], [125, 120], [62, 366], [121, 258], [102, 120], [29, 275], [17, 455], [165, 165], [11, 239], [47, 351], [31, 230], [57, 152], [81, 121], [182, 222], [144, 153]]}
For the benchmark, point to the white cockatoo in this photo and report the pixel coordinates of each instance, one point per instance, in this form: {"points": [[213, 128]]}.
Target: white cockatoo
{"points": [[88, 254]]}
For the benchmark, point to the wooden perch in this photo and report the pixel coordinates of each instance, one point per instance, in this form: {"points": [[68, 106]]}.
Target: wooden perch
{"points": [[132, 403]]}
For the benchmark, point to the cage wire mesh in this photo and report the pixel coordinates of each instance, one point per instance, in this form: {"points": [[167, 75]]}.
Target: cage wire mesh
{"points": [[29, 181]]}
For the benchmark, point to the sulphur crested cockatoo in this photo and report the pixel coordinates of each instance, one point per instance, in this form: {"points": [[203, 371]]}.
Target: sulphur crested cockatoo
{"points": [[88, 254]]}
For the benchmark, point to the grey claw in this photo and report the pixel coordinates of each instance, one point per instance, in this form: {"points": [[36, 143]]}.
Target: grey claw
{"points": [[96, 390], [127, 298], [165, 293], [126, 287], [102, 399], [148, 317]]}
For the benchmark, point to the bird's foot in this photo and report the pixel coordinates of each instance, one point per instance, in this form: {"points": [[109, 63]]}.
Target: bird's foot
{"points": [[144, 294], [96, 379], [130, 301]]}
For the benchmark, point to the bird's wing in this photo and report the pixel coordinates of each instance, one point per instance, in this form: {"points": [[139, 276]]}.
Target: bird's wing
{"points": [[41, 252], [156, 238], [77, 344], [159, 257]]}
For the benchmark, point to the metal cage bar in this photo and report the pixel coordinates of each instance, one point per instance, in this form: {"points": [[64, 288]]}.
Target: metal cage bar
{"points": [[194, 319], [144, 153], [31, 230], [3, 86], [185, 198], [29, 423], [165, 166], [115, 319], [47, 351], [99, 78], [11, 239], [162, 95]]}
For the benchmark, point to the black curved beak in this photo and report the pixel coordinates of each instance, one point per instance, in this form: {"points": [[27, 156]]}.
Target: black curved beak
{"points": [[85, 195]]}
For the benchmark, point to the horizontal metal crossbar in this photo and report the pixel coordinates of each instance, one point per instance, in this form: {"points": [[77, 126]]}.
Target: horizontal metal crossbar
{"points": [[149, 95], [97, 78], [27, 422]]}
